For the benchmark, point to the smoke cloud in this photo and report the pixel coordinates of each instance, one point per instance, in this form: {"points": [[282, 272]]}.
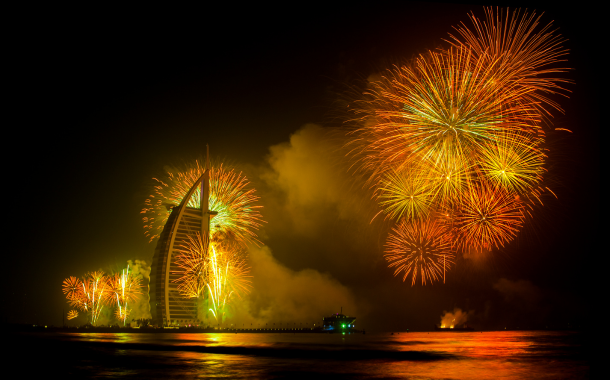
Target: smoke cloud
{"points": [[457, 318], [525, 302], [521, 292], [293, 298], [141, 308], [317, 216], [308, 177]]}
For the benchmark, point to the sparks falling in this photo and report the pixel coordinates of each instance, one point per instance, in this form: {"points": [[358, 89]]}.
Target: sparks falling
{"points": [[87, 294], [216, 272], [124, 289]]}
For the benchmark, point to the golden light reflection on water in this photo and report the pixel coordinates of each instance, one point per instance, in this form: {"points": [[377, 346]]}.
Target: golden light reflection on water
{"points": [[473, 355], [480, 355]]}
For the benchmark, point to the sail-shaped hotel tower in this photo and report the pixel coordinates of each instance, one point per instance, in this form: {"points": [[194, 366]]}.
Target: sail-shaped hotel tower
{"points": [[167, 305]]}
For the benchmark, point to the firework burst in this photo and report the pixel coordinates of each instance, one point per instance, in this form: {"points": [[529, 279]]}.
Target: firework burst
{"points": [[72, 287], [231, 197], [437, 112], [514, 163], [72, 314], [123, 289], [489, 218], [406, 195], [420, 248], [215, 271], [193, 260], [228, 276], [88, 294], [455, 137], [521, 54]]}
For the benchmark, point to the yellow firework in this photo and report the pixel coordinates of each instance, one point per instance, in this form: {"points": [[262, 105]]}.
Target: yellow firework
{"points": [[514, 162], [448, 180], [122, 314], [123, 289], [216, 271], [72, 314], [456, 135], [228, 276], [193, 261], [419, 248], [441, 110], [405, 194], [231, 196]]}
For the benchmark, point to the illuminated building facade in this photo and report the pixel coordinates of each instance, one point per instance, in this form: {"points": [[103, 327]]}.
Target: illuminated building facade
{"points": [[167, 305]]}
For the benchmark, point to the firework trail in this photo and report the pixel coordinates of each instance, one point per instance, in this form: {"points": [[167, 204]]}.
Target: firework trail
{"points": [[420, 248], [122, 314], [88, 294], [228, 276], [123, 289], [216, 272], [230, 196], [456, 137]]}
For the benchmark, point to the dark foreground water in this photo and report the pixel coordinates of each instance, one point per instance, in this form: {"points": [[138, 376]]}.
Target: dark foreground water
{"points": [[436, 355]]}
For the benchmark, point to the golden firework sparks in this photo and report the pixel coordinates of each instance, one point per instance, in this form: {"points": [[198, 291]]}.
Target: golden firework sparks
{"points": [[231, 197], [216, 271], [419, 248], [123, 289], [456, 136], [488, 218], [405, 194], [88, 294]]}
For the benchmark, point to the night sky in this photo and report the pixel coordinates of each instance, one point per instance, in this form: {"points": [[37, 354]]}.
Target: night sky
{"points": [[106, 99]]}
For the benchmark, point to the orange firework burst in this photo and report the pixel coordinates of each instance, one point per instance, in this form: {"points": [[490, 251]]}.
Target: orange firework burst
{"points": [[419, 248], [488, 218], [193, 260], [455, 137], [437, 112], [520, 54], [230, 196], [216, 271], [123, 289], [72, 287], [228, 275], [88, 294]]}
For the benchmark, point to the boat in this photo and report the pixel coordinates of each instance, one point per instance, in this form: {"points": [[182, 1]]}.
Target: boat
{"points": [[339, 322]]}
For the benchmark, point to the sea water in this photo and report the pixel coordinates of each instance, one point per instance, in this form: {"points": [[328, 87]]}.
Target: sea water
{"points": [[436, 355]]}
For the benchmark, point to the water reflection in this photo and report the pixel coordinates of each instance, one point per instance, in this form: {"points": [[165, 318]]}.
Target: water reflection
{"points": [[430, 355]]}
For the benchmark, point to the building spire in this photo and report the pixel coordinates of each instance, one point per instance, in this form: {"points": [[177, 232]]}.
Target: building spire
{"points": [[206, 214], [207, 157]]}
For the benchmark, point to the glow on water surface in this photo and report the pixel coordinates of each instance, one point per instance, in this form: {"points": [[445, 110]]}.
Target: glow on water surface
{"points": [[505, 354]]}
